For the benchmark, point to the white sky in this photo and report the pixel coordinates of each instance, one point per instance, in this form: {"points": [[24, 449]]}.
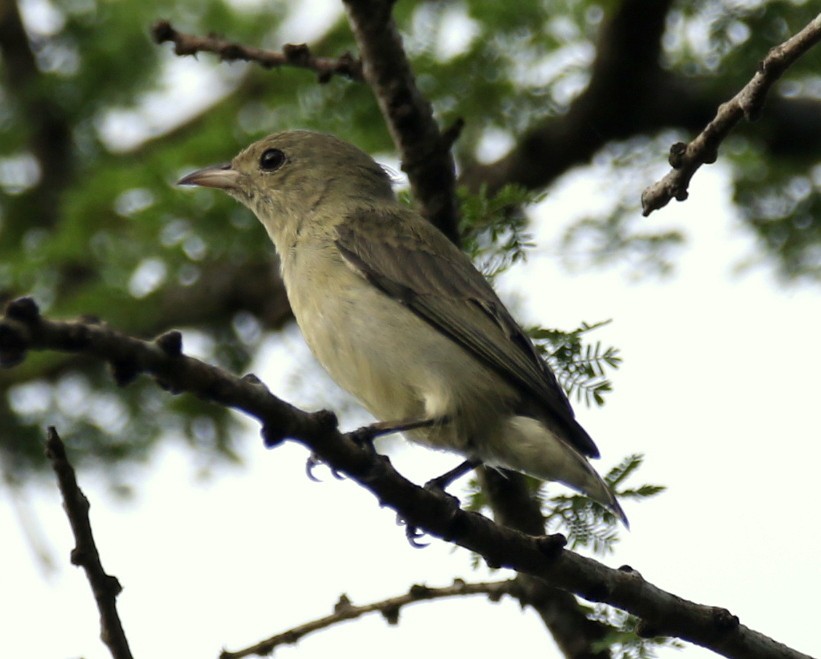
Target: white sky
{"points": [[718, 389]]}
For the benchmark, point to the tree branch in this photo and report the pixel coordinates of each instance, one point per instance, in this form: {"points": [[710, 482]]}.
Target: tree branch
{"points": [[425, 151], [296, 55], [513, 506], [389, 608], [49, 131], [104, 586], [686, 159], [614, 104], [663, 613]]}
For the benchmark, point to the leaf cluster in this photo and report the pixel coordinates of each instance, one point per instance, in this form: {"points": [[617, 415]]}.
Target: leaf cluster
{"points": [[93, 137], [581, 368]]}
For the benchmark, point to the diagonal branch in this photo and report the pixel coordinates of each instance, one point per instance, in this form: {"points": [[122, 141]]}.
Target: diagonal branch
{"points": [[389, 608], [543, 557], [296, 55], [104, 586], [425, 151], [686, 159], [620, 100]]}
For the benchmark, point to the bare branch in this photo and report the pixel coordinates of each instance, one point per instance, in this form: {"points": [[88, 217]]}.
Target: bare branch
{"points": [[663, 614], [685, 159], [104, 586], [389, 608], [425, 151], [296, 55]]}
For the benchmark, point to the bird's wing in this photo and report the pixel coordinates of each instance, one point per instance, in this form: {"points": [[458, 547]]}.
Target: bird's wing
{"points": [[407, 258]]}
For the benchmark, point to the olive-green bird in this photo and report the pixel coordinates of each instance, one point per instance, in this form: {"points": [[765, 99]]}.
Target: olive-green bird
{"points": [[399, 316]]}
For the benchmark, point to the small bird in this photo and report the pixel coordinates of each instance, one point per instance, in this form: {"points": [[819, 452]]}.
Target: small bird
{"points": [[400, 317]]}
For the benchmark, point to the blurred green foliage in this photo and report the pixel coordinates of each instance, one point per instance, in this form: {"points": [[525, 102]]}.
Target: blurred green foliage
{"points": [[97, 122]]}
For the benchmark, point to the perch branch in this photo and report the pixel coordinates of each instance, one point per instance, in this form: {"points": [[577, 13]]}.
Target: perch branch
{"points": [[663, 614], [104, 586], [686, 159]]}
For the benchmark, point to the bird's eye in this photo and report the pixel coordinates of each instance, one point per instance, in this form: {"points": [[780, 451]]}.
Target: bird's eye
{"points": [[271, 160]]}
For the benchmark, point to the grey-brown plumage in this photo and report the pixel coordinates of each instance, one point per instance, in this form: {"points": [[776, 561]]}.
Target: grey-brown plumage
{"points": [[400, 317]]}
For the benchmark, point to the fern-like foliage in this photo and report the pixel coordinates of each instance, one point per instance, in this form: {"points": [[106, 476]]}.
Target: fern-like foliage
{"points": [[494, 228], [584, 522], [588, 524], [581, 368], [622, 641]]}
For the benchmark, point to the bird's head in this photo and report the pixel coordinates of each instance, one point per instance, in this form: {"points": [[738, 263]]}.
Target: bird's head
{"points": [[291, 177]]}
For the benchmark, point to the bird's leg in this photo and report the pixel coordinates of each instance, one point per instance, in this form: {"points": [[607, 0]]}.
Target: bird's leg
{"points": [[366, 434], [438, 484], [442, 482]]}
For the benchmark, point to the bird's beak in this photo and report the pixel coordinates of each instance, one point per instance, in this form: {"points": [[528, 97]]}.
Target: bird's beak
{"points": [[222, 177]]}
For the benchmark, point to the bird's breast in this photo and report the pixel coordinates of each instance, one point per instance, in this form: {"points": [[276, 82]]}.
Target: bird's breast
{"points": [[380, 351]]}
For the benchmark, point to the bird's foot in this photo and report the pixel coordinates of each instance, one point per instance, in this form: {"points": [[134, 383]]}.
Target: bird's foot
{"points": [[440, 483], [312, 463], [366, 434]]}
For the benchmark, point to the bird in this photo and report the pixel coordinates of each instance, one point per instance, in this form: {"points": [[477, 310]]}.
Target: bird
{"points": [[399, 316]]}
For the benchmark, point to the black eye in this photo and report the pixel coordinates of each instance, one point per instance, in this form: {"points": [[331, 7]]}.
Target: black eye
{"points": [[271, 159]]}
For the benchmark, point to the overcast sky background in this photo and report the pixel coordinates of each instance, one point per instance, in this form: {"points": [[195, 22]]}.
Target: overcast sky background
{"points": [[719, 389]]}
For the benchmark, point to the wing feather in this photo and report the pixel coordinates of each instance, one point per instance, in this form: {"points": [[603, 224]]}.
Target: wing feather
{"points": [[408, 259]]}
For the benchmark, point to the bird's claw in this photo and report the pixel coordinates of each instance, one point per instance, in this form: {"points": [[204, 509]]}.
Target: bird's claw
{"points": [[312, 463], [412, 533]]}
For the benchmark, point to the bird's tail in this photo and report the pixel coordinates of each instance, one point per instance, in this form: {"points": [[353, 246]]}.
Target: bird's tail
{"points": [[530, 447]]}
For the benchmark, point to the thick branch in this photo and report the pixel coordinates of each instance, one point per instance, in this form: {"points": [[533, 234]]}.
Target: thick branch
{"points": [[614, 104], [49, 132], [425, 151], [663, 613], [703, 150], [573, 631], [104, 586], [296, 55], [389, 608]]}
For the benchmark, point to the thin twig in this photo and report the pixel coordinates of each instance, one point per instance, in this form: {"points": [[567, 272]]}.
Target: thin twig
{"points": [[663, 614], [295, 55], [389, 608], [685, 159], [104, 586]]}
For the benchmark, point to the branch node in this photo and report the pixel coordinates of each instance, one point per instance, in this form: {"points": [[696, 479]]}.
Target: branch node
{"points": [[125, 371], [250, 378], [551, 545], [343, 604], [162, 31], [170, 343], [391, 614], [272, 437], [326, 420], [24, 309], [418, 590], [297, 54], [631, 571], [676, 157], [724, 620]]}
